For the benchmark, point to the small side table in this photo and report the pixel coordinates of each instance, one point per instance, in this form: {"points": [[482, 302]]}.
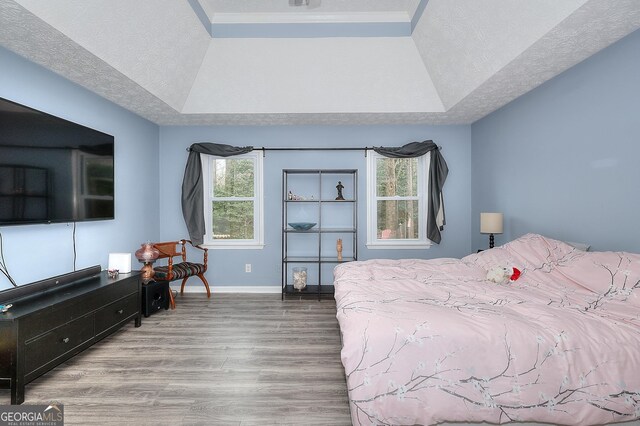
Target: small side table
{"points": [[155, 296]]}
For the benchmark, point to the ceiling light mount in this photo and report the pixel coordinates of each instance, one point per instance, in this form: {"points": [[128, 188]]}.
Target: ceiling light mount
{"points": [[311, 4]]}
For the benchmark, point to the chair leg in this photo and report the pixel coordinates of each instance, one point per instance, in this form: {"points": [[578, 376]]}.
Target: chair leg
{"points": [[204, 281], [172, 301], [206, 284]]}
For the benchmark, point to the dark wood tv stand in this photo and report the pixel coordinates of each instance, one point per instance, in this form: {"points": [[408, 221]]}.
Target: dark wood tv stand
{"points": [[54, 319]]}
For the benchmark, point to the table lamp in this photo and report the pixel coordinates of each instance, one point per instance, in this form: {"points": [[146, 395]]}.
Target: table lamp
{"points": [[491, 223], [147, 254]]}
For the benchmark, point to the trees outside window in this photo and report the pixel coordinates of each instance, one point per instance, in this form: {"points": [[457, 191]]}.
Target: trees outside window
{"points": [[233, 201], [396, 202]]}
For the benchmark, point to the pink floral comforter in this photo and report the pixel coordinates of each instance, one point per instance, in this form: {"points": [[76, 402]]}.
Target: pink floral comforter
{"points": [[427, 341]]}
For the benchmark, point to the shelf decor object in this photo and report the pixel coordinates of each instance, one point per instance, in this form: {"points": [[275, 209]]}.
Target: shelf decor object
{"points": [[491, 223], [310, 250], [302, 226], [299, 278], [339, 187]]}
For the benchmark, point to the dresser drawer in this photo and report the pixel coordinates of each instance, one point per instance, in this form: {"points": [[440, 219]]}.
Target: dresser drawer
{"points": [[57, 315], [116, 312], [77, 306], [57, 342]]}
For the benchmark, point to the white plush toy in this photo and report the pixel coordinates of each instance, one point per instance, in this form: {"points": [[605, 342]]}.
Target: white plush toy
{"points": [[502, 275]]}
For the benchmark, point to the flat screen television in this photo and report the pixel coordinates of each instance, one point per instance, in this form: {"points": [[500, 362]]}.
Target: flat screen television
{"points": [[52, 170]]}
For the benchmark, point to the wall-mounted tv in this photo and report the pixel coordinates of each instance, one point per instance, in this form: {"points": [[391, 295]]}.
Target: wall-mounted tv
{"points": [[52, 170]]}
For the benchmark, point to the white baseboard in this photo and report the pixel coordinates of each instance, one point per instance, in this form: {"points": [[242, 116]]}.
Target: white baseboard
{"points": [[230, 288]]}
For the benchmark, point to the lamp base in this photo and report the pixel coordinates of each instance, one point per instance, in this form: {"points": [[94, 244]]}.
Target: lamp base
{"points": [[491, 241], [147, 272]]}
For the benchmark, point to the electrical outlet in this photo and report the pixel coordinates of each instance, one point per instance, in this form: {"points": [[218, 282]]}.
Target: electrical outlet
{"points": [[247, 267]]}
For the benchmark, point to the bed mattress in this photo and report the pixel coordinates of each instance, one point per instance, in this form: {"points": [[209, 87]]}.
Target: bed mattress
{"points": [[429, 341]]}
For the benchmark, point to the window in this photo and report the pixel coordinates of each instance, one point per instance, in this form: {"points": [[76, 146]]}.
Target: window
{"points": [[233, 201], [397, 202]]}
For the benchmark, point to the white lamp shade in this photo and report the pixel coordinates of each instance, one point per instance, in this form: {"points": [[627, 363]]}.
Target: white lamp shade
{"points": [[491, 223]]}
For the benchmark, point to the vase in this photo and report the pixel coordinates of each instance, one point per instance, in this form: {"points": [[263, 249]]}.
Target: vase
{"points": [[299, 278]]}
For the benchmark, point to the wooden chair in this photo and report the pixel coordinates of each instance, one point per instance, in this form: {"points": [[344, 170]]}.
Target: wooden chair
{"points": [[182, 270]]}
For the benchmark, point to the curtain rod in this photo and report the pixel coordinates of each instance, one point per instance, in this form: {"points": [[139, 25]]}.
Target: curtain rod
{"points": [[264, 149], [305, 149], [302, 148], [365, 149]]}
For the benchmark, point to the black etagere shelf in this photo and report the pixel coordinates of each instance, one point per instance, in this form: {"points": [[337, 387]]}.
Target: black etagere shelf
{"points": [[311, 196]]}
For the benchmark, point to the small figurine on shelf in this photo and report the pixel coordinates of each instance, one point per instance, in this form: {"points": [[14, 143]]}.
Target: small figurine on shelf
{"points": [[339, 249], [290, 196], [339, 187]]}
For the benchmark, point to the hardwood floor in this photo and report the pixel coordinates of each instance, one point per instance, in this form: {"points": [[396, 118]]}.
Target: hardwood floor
{"points": [[234, 359]]}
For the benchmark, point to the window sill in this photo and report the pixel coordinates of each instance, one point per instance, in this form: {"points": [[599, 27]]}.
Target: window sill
{"points": [[231, 246], [398, 246]]}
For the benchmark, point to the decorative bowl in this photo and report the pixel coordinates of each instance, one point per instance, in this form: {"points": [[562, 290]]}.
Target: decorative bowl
{"points": [[302, 226]]}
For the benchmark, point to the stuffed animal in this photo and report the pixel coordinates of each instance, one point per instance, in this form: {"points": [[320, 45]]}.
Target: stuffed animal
{"points": [[502, 275]]}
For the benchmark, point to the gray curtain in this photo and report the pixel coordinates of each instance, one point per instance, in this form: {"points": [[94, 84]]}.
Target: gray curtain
{"points": [[192, 197], [438, 171]]}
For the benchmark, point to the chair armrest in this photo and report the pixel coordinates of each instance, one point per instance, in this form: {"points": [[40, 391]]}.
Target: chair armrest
{"points": [[204, 249], [194, 246]]}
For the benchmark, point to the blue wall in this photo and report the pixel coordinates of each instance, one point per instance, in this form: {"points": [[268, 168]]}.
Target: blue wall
{"points": [[35, 252], [147, 200], [563, 160], [227, 266]]}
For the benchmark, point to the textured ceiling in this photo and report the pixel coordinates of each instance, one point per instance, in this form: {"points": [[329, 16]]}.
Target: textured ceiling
{"points": [[324, 6], [332, 62]]}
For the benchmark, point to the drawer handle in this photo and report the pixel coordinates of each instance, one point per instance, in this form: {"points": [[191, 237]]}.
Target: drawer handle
{"points": [[65, 340], [120, 311]]}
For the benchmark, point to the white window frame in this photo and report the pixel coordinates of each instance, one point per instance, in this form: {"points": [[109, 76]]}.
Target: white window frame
{"points": [[258, 203], [373, 242]]}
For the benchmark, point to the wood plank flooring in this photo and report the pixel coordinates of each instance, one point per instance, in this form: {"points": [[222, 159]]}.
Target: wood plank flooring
{"points": [[234, 359]]}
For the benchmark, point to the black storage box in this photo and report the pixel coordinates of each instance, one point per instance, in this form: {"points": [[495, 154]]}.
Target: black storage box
{"points": [[155, 296]]}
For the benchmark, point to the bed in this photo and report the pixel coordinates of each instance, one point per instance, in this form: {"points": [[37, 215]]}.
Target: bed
{"points": [[430, 341]]}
